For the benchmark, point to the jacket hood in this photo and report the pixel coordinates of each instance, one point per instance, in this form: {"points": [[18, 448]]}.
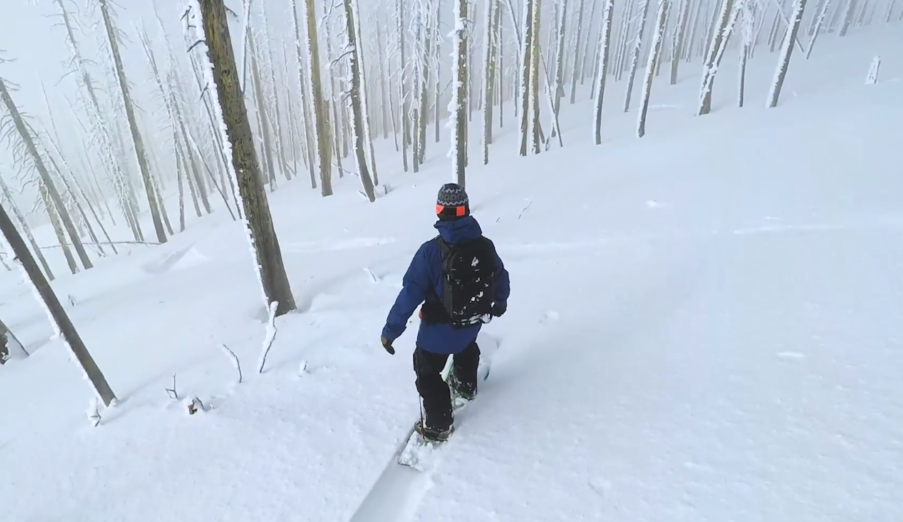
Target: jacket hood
{"points": [[459, 230]]}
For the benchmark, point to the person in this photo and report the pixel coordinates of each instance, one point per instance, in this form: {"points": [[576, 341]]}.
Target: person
{"points": [[456, 301]]}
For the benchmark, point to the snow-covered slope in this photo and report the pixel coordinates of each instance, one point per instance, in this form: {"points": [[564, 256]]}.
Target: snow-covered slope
{"points": [[705, 324]]}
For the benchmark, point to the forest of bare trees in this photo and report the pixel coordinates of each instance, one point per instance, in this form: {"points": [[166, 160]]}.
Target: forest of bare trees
{"points": [[238, 105]]}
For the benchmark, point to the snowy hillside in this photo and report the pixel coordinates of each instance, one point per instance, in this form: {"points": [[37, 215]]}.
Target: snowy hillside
{"points": [[705, 324]]}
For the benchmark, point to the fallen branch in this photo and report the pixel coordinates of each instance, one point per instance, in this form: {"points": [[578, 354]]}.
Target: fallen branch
{"points": [[105, 243]]}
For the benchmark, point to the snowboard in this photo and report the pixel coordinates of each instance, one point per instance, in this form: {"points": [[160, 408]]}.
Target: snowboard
{"points": [[419, 453]]}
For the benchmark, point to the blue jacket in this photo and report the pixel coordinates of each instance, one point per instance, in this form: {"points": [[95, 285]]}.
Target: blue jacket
{"points": [[425, 275]]}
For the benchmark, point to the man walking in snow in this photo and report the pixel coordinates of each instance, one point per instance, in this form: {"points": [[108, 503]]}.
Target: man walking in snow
{"points": [[462, 283]]}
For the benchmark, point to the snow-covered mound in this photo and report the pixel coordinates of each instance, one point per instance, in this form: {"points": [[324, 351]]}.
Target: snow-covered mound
{"points": [[705, 324]]}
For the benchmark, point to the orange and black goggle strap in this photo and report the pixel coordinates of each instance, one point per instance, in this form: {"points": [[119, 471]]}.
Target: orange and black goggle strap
{"points": [[459, 211]]}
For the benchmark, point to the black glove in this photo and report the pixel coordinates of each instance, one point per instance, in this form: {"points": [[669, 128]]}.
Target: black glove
{"points": [[499, 310], [387, 344]]}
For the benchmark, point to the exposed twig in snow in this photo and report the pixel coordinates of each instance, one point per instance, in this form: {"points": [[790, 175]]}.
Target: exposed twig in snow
{"points": [[173, 392], [270, 336], [93, 412], [373, 278], [525, 209], [235, 361]]}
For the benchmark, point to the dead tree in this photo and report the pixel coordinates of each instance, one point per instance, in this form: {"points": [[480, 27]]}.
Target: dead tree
{"points": [[354, 99], [113, 40], [31, 152], [55, 309], [237, 127]]}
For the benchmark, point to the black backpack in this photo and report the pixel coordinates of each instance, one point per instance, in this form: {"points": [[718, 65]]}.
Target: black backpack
{"points": [[468, 284]]}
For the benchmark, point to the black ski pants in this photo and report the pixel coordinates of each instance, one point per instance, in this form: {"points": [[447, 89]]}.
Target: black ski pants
{"points": [[434, 391]]}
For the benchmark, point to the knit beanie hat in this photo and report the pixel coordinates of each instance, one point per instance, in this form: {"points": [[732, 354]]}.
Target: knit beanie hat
{"points": [[452, 202]]}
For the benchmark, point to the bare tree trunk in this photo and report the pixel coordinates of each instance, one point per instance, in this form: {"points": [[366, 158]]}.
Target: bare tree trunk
{"points": [[817, 29], [534, 75], [52, 214], [383, 81], [321, 119], [354, 99], [336, 129], [578, 38], [402, 82], [719, 40], [55, 309], [654, 57], [303, 84], [489, 53], [634, 61], [365, 103], [262, 234], [52, 193], [526, 74], [133, 124], [438, 93], [786, 51], [458, 112], [605, 44], [269, 174], [25, 228], [559, 55], [424, 86], [677, 43]]}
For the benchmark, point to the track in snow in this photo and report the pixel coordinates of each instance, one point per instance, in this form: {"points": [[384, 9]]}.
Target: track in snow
{"points": [[396, 494]]}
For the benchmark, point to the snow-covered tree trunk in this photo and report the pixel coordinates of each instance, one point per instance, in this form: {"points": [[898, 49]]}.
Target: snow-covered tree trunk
{"points": [[786, 51], [534, 75], [384, 88], [654, 56], [526, 74], [561, 28], [424, 83], [677, 42], [602, 69], [635, 58], [314, 87], [458, 107], [847, 17], [229, 107], [365, 105], [268, 167], [31, 151], [309, 134], [55, 311], [816, 30], [489, 53], [102, 128], [137, 140], [575, 48], [26, 228], [54, 219], [403, 100], [437, 66], [719, 39], [749, 21], [354, 99], [336, 130]]}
